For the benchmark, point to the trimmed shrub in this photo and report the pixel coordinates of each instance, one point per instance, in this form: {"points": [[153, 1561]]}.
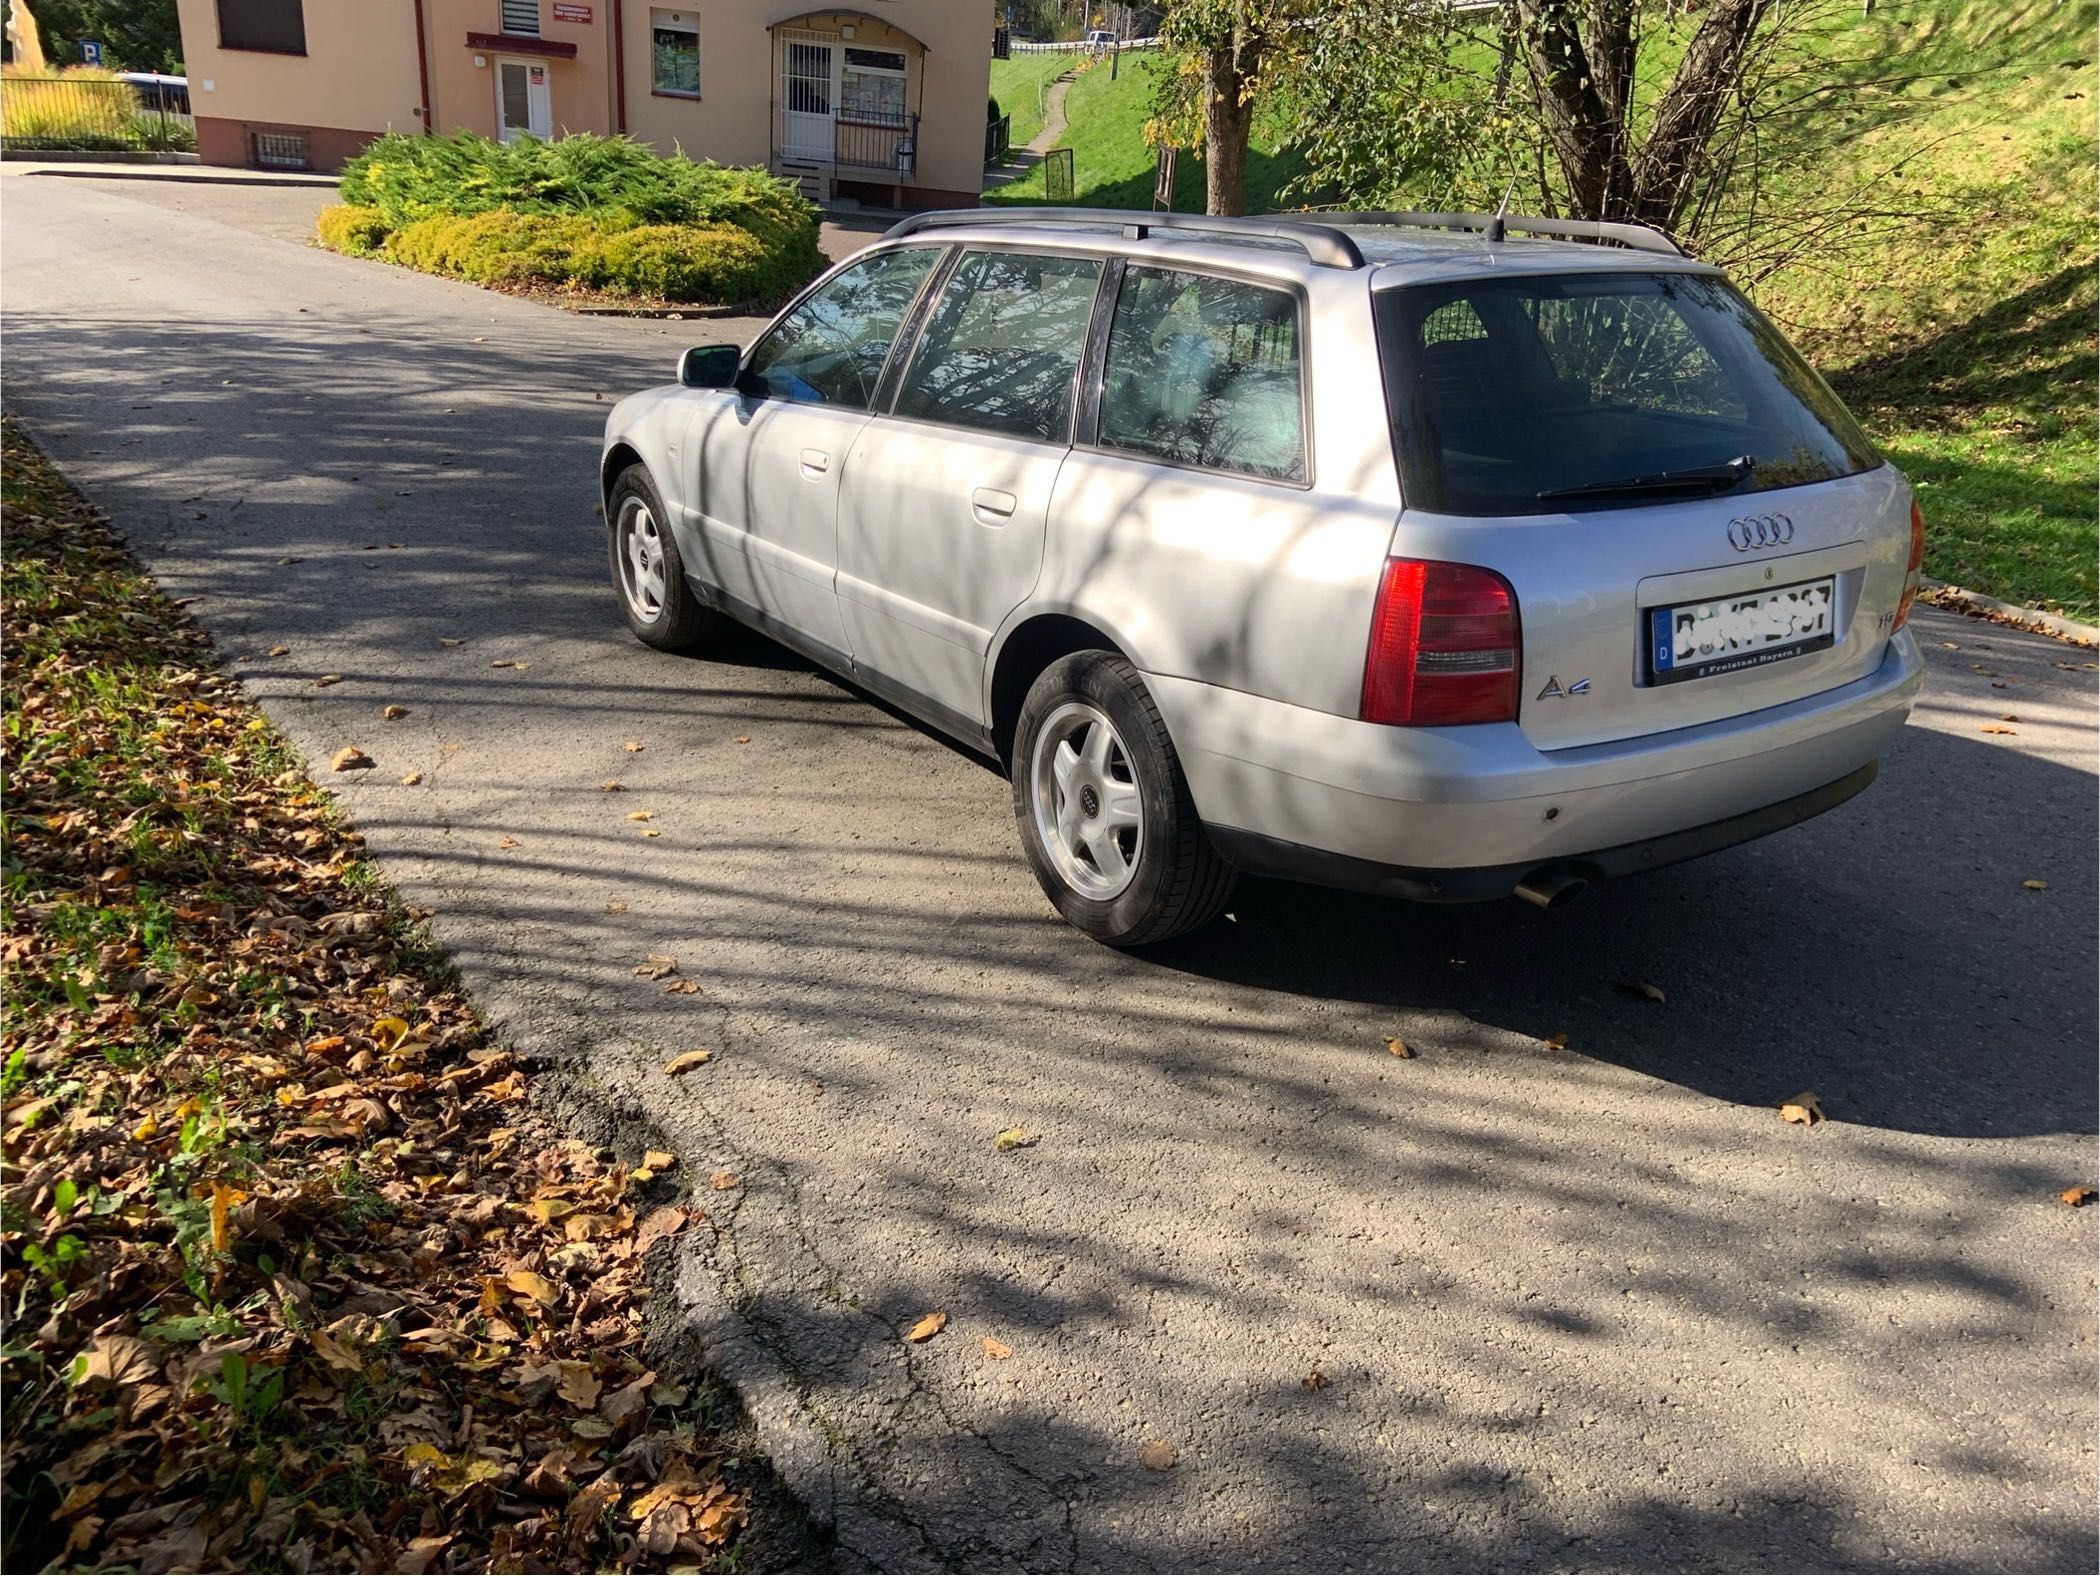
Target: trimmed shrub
{"points": [[602, 212], [677, 262], [361, 232]]}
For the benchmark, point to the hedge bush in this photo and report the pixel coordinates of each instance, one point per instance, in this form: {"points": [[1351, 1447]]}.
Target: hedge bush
{"points": [[345, 228], [601, 212]]}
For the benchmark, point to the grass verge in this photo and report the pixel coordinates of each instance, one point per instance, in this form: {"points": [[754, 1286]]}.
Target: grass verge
{"points": [[1020, 86], [1113, 167], [293, 1279]]}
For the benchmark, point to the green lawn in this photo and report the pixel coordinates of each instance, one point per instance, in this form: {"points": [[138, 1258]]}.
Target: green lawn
{"points": [[1957, 320], [1019, 85], [1961, 327], [1112, 166]]}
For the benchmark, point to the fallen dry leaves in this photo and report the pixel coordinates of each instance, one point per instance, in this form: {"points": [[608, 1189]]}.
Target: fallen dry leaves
{"points": [[296, 1279], [2078, 1197], [997, 1350], [686, 1061], [1156, 1455], [350, 759], [1395, 1046], [927, 1328], [1804, 1110]]}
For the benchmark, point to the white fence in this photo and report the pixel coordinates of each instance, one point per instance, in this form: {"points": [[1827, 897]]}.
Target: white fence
{"points": [[1080, 46]]}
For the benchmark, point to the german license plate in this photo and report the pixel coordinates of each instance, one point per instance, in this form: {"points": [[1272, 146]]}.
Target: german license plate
{"points": [[1695, 639]]}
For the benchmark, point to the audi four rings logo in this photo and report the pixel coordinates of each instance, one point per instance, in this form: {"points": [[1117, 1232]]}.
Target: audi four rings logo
{"points": [[1760, 530]]}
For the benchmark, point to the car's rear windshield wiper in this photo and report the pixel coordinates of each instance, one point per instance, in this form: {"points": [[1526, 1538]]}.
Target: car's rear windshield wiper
{"points": [[1695, 479]]}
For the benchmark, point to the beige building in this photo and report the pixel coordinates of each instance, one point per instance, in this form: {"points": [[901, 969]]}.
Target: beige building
{"points": [[885, 103]]}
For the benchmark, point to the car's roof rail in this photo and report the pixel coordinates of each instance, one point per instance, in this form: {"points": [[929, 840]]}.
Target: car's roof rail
{"points": [[1323, 243], [1640, 237]]}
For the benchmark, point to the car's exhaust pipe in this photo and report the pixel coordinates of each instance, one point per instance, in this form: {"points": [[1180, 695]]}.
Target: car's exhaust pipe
{"points": [[1552, 886]]}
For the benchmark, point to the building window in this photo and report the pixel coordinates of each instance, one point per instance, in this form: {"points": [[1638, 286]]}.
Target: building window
{"points": [[522, 17], [275, 27], [674, 53], [280, 150], [872, 86]]}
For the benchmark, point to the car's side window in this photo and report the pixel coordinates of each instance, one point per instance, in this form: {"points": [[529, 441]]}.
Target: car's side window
{"points": [[1205, 371], [1002, 349], [830, 349]]}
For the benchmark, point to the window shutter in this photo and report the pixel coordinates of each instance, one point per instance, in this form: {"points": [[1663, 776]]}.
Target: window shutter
{"points": [[522, 16]]}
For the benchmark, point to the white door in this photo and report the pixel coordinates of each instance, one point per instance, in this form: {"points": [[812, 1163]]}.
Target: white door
{"points": [[809, 96], [524, 101]]}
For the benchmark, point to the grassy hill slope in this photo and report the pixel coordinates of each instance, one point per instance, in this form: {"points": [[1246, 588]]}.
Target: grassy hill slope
{"points": [[1958, 319]]}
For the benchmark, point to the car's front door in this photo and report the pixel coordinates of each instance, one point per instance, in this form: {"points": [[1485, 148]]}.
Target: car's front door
{"points": [[942, 516], [766, 457]]}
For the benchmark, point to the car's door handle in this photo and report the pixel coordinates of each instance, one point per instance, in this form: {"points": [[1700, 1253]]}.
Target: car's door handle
{"points": [[989, 501], [815, 462]]}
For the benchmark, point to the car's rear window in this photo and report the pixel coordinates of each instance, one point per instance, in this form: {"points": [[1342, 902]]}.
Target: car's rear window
{"points": [[1557, 392]]}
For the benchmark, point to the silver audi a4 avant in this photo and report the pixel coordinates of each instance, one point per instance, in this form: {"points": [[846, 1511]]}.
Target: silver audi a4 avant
{"points": [[1442, 556]]}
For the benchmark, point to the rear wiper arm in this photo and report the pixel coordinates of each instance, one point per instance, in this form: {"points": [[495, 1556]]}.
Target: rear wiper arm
{"points": [[1706, 479]]}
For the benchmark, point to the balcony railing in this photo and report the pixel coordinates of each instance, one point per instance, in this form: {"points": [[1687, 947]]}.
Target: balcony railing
{"points": [[870, 139]]}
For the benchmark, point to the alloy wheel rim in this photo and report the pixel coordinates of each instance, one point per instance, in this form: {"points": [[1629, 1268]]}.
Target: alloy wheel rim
{"points": [[641, 560], [1088, 801]]}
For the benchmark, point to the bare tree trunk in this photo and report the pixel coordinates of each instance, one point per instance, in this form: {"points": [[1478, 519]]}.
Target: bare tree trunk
{"points": [[1228, 122], [1685, 118], [1588, 135], [1585, 88]]}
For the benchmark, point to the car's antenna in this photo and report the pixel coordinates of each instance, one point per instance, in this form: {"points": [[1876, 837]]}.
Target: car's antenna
{"points": [[1496, 227]]}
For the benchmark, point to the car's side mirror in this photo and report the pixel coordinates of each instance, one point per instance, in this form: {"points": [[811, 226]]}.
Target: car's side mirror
{"points": [[710, 366]]}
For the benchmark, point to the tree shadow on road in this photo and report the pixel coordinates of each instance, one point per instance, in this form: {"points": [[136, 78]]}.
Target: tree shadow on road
{"points": [[1550, 1292]]}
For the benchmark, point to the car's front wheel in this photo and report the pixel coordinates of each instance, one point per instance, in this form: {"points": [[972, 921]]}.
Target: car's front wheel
{"points": [[1104, 809], [661, 608]]}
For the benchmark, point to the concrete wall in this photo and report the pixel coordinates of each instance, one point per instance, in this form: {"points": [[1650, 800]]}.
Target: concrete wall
{"points": [[356, 80], [463, 94], [359, 78]]}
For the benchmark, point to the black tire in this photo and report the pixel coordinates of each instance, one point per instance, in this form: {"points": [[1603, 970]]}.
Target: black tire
{"points": [[1176, 881], [679, 620]]}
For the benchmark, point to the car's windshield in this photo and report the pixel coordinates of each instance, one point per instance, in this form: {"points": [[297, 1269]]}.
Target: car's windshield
{"points": [[1561, 392]]}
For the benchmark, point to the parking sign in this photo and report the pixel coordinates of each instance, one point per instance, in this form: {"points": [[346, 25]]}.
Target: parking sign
{"points": [[90, 52]]}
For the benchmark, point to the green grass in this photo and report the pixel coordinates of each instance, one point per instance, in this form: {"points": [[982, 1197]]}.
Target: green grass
{"points": [[1957, 318], [1112, 166], [1020, 84], [1960, 328]]}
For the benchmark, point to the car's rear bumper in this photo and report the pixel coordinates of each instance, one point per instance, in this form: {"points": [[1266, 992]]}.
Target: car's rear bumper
{"points": [[1451, 811], [1268, 856]]}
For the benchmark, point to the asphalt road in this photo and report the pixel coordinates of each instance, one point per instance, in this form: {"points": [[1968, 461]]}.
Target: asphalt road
{"points": [[1591, 1306]]}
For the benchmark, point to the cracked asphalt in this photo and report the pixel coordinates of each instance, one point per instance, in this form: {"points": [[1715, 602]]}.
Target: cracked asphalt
{"points": [[1582, 1307]]}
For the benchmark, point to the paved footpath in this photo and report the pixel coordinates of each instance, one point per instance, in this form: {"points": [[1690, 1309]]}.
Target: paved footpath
{"points": [[1581, 1307]]}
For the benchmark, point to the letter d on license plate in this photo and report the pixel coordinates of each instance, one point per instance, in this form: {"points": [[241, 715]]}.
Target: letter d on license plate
{"points": [[1696, 639]]}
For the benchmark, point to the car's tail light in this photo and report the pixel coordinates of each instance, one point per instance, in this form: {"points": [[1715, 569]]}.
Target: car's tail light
{"points": [[1917, 561], [1443, 646]]}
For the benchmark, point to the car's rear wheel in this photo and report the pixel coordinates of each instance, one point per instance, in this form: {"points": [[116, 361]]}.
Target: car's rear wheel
{"points": [[1104, 810], [661, 608]]}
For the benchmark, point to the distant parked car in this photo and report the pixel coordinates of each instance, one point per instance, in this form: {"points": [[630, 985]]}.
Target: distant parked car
{"points": [[1377, 551], [160, 93], [1100, 41]]}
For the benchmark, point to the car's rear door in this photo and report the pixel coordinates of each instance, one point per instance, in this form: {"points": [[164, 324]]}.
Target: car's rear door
{"points": [[1693, 526], [946, 494], [767, 457]]}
